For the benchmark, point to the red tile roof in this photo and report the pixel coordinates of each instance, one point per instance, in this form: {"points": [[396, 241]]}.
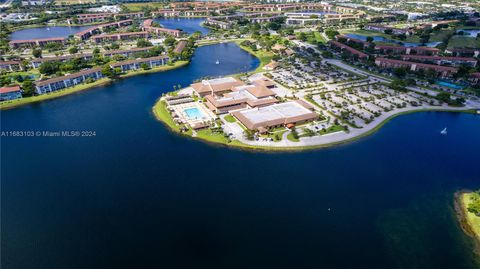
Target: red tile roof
{"points": [[70, 76], [38, 39], [142, 60], [421, 65], [9, 62], [447, 58], [348, 48], [9, 89]]}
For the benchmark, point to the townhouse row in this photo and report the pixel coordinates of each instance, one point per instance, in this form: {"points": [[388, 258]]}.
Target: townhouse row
{"points": [[62, 82]]}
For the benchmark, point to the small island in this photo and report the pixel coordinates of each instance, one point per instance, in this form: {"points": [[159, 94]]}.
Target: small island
{"points": [[467, 206]]}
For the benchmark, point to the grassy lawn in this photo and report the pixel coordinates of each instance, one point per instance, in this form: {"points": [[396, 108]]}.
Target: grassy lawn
{"points": [[230, 118], [161, 112], [77, 88], [314, 38], [464, 42], [33, 72], [208, 135], [264, 56], [332, 129], [275, 135], [472, 220], [291, 138]]}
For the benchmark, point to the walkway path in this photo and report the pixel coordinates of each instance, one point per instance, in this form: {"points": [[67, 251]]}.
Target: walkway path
{"points": [[339, 136]]}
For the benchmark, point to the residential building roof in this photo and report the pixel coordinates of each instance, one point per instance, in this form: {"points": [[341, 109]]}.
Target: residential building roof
{"points": [[9, 62], [216, 85], [180, 46], [10, 89], [141, 60], [421, 65], [277, 114], [70, 76]]}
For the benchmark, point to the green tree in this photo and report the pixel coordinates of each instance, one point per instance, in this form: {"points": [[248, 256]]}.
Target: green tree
{"points": [[400, 72], [114, 46], [444, 97], [144, 66], [143, 43], [5, 81], [274, 26], [73, 50], [53, 46], [169, 41], [249, 134], [474, 205], [49, 68], [37, 52], [294, 133], [28, 88], [108, 71], [331, 33]]}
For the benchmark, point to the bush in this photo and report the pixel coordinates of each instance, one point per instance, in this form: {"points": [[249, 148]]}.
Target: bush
{"points": [[474, 206]]}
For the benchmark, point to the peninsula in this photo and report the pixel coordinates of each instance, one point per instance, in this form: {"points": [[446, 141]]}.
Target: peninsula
{"points": [[467, 206]]}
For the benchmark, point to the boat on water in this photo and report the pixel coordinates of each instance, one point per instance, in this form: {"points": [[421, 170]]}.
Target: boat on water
{"points": [[217, 62], [444, 131]]}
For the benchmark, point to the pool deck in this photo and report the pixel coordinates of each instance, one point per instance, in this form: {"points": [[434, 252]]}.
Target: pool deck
{"points": [[183, 117]]}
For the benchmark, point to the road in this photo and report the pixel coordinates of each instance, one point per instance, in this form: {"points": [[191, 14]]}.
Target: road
{"points": [[6, 4]]}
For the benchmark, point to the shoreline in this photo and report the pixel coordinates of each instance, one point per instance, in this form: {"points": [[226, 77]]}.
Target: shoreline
{"points": [[236, 144], [103, 81], [461, 214], [82, 87]]}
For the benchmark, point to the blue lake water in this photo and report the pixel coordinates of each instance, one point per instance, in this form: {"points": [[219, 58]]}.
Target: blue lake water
{"points": [[386, 40], [46, 32], [138, 196], [470, 33], [189, 25]]}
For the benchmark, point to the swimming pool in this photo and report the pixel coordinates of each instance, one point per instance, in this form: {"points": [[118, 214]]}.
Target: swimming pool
{"points": [[194, 113], [450, 85]]}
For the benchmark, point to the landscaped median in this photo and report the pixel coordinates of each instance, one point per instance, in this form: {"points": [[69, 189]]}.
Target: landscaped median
{"points": [[85, 86], [467, 206]]}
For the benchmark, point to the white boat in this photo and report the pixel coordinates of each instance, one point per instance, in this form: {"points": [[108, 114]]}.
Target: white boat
{"points": [[444, 131], [217, 62]]}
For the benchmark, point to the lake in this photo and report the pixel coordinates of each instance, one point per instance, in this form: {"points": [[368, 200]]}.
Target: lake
{"points": [[46, 32], [469, 33], [139, 196], [188, 25], [386, 40]]}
